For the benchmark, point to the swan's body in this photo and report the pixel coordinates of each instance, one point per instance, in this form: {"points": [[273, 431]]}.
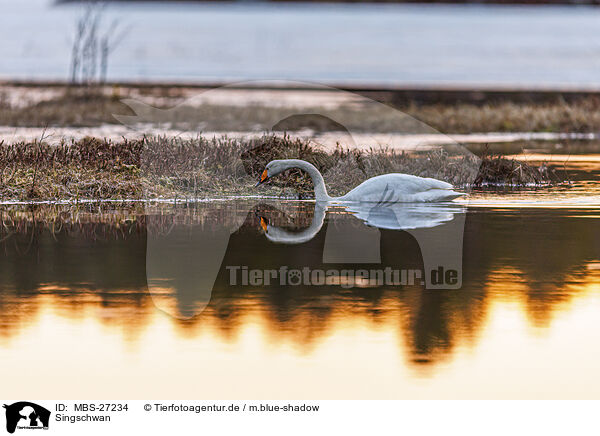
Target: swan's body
{"points": [[387, 188], [400, 188]]}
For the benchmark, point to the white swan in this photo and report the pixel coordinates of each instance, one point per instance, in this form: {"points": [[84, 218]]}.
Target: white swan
{"points": [[387, 188]]}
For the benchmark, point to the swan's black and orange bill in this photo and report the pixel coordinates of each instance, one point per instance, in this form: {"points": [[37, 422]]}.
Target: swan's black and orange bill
{"points": [[263, 178], [264, 223]]}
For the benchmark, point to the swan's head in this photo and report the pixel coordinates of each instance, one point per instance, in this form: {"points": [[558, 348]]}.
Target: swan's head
{"points": [[272, 169]]}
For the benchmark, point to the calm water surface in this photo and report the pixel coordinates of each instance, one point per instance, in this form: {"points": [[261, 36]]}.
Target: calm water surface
{"points": [[140, 302], [341, 43]]}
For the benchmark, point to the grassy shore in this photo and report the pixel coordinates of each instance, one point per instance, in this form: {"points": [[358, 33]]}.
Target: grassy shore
{"points": [[160, 167]]}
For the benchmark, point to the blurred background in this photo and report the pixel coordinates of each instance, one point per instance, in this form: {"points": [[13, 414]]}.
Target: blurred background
{"points": [[343, 43]]}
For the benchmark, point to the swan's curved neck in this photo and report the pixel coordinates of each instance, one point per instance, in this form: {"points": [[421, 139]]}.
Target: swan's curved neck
{"points": [[315, 175]]}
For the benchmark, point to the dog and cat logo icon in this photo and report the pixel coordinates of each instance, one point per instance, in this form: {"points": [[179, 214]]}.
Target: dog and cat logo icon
{"points": [[27, 416]]}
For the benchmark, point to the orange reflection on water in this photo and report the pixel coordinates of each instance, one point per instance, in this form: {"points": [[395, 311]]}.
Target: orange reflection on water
{"points": [[495, 346]]}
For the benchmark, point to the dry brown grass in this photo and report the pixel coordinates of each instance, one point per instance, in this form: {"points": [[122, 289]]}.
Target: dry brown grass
{"points": [[148, 168], [153, 167], [76, 108], [90, 168], [580, 116], [496, 170]]}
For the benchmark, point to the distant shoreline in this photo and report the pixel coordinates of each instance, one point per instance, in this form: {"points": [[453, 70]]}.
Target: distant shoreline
{"points": [[419, 94]]}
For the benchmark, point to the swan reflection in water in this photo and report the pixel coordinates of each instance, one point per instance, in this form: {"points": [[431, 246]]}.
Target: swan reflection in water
{"points": [[390, 216], [186, 261], [438, 229]]}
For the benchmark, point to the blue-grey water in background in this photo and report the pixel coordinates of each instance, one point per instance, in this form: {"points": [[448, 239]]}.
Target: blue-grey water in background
{"points": [[361, 44]]}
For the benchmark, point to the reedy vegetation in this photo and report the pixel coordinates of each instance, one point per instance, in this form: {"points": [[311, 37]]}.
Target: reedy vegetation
{"points": [[167, 167]]}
